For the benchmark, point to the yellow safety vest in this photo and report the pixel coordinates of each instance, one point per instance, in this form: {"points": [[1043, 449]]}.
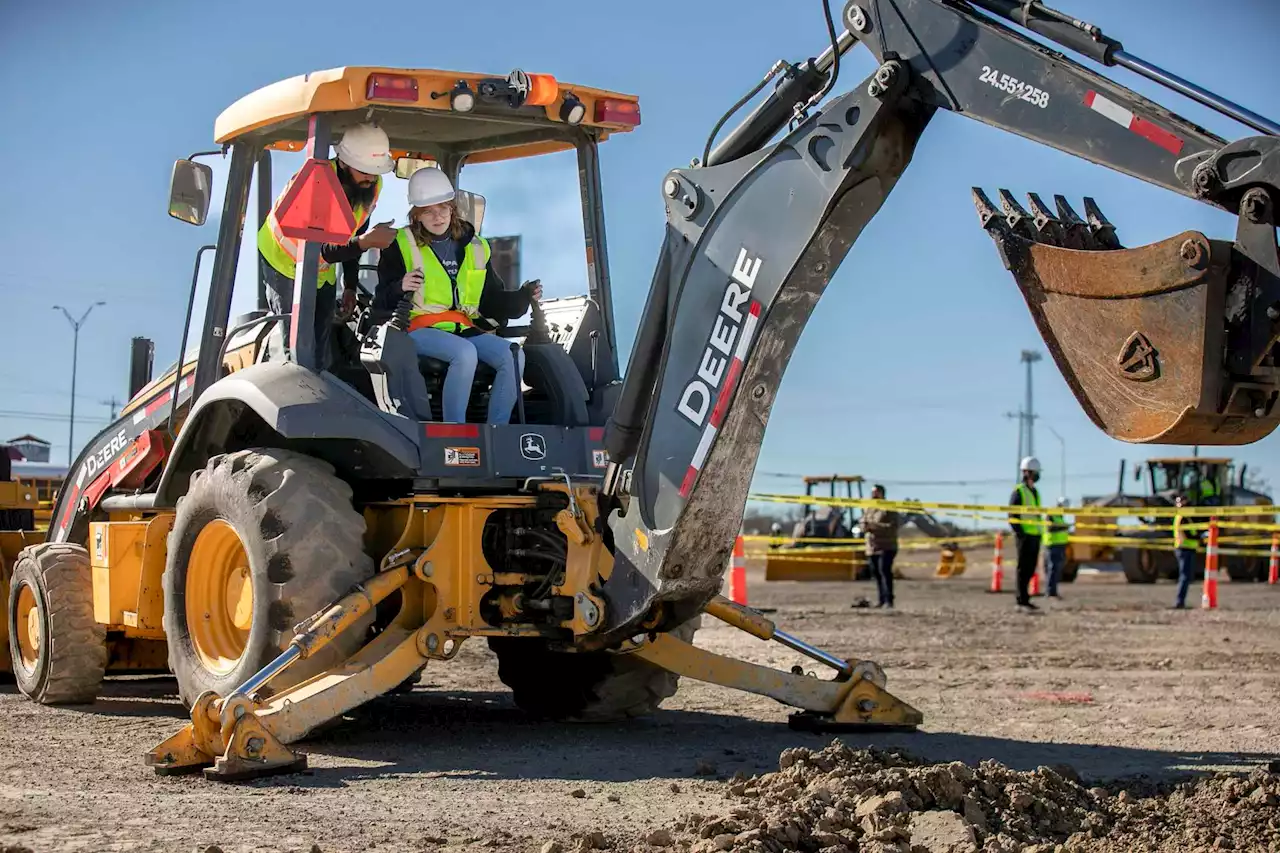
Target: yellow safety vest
{"points": [[1032, 525], [282, 252], [1058, 537], [1180, 537], [443, 303]]}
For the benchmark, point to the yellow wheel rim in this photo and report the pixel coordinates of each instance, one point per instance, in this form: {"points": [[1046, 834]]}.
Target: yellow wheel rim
{"points": [[27, 624], [219, 597]]}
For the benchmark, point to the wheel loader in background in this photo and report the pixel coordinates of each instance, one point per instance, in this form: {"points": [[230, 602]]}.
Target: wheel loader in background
{"points": [[302, 546], [1203, 482]]}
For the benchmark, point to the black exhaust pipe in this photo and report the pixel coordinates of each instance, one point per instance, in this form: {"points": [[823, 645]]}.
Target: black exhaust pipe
{"points": [[141, 353]]}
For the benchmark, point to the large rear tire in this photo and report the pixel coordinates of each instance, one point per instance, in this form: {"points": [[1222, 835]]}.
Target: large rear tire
{"points": [[57, 650], [594, 687], [262, 539]]}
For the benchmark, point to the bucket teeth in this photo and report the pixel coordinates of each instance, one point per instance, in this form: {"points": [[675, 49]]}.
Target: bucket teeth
{"points": [[1103, 231], [987, 213], [1014, 215], [1048, 226]]}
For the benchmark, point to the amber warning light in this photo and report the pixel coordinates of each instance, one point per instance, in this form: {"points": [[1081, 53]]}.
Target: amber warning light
{"points": [[315, 208]]}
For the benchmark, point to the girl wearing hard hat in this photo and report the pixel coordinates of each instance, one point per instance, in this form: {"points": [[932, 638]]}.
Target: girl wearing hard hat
{"points": [[457, 297]]}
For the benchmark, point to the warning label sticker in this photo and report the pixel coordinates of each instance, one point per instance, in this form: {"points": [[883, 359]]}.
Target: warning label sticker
{"points": [[600, 458], [468, 457]]}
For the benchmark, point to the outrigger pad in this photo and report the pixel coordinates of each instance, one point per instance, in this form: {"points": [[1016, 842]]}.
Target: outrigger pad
{"points": [[1139, 334]]}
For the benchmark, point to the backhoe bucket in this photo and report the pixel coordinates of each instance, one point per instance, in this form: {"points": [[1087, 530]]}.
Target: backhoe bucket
{"points": [[1140, 334]]}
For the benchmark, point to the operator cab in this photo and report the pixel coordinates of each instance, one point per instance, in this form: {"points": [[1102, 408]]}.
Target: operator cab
{"points": [[457, 122]]}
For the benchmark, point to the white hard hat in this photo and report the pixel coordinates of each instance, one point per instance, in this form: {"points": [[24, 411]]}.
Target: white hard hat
{"points": [[1063, 502], [429, 186], [1030, 463], [366, 148]]}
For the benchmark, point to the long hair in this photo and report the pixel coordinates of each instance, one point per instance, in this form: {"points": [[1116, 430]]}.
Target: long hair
{"points": [[457, 225]]}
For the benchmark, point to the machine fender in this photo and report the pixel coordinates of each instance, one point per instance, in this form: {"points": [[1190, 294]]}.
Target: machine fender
{"points": [[305, 409]]}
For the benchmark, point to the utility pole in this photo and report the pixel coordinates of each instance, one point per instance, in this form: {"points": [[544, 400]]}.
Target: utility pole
{"points": [[1026, 415], [75, 354], [113, 404], [975, 498]]}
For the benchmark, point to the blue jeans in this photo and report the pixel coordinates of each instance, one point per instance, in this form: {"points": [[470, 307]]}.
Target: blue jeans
{"points": [[882, 569], [1055, 560], [463, 355], [1186, 565]]}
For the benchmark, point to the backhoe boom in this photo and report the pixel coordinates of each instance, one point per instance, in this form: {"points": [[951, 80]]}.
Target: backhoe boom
{"points": [[753, 239]]}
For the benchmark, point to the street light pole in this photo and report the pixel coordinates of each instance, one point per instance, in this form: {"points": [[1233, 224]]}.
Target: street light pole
{"points": [[75, 355]]}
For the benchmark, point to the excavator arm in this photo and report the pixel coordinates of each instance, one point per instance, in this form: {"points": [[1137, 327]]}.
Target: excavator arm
{"points": [[1174, 342]]}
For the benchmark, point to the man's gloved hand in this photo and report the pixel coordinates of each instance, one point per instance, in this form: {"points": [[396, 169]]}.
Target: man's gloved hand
{"points": [[379, 236], [534, 289], [348, 306]]}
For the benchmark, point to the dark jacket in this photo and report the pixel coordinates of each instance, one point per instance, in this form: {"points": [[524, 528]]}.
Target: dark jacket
{"points": [[496, 302]]}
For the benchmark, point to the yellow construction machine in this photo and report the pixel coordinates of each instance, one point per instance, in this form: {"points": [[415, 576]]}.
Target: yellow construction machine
{"points": [[298, 537], [816, 551]]}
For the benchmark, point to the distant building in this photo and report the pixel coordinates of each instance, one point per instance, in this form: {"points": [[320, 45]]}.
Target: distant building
{"points": [[30, 447]]}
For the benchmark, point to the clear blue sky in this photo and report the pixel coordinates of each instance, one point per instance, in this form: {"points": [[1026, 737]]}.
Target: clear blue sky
{"points": [[903, 374]]}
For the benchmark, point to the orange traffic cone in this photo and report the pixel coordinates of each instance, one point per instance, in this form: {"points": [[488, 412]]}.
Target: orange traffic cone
{"points": [[1209, 597], [1033, 588], [738, 573], [997, 565], [1273, 573]]}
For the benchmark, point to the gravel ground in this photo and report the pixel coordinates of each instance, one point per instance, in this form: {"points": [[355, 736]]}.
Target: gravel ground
{"points": [[1107, 686]]}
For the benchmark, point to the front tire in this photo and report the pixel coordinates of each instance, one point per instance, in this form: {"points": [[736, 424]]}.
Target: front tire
{"points": [[584, 686], [57, 650], [263, 539]]}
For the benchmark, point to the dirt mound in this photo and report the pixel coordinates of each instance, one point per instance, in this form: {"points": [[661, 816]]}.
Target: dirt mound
{"points": [[871, 801]]}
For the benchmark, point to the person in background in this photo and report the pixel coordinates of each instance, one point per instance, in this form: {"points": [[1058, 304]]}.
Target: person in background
{"points": [[880, 527], [1027, 529], [1056, 539], [1185, 544]]}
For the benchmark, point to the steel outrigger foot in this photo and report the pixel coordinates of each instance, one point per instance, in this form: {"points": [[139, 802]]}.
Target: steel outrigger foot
{"points": [[854, 700]]}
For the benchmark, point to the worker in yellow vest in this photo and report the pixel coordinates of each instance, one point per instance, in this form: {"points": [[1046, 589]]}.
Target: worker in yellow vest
{"points": [[1186, 542], [363, 156], [1055, 555], [1027, 529], [457, 298]]}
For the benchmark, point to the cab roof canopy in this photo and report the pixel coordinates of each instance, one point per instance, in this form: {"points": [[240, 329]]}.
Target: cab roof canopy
{"points": [[1185, 459], [414, 107]]}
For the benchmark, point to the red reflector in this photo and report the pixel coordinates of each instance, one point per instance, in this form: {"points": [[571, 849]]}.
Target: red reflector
{"points": [[614, 111], [391, 87], [596, 433], [453, 430], [315, 208]]}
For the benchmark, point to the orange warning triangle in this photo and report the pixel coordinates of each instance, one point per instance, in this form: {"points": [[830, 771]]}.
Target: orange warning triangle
{"points": [[315, 208]]}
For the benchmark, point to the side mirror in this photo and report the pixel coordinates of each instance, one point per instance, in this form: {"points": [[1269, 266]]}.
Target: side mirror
{"points": [[406, 166], [471, 208], [190, 190]]}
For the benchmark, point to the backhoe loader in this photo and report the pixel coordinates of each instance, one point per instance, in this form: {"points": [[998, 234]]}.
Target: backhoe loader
{"points": [[308, 546]]}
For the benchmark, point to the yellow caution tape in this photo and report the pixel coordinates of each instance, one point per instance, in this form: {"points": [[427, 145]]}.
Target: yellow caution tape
{"points": [[1098, 511]]}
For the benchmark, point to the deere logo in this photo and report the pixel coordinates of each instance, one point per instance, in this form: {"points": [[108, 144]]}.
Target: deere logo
{"points": [[533, 446], [1138, 359]]}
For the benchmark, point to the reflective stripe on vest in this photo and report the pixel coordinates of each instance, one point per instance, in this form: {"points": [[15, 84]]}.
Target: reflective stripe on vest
{"points": [[1058, 537], [443, 303], [1032, 525], [282, 252]]}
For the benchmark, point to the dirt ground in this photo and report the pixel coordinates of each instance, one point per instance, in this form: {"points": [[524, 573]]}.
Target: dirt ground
{"points": [[1106, 680]]}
